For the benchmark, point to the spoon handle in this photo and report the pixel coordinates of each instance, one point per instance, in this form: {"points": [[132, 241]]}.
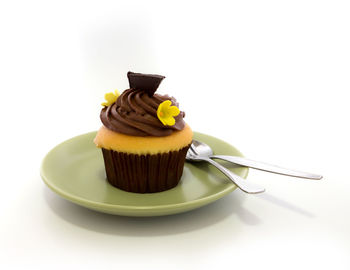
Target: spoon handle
{"points": [[267, 167], [241, 183]]}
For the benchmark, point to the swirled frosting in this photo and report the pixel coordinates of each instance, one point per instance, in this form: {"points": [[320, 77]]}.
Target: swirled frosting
{"points": [[135, 113]]}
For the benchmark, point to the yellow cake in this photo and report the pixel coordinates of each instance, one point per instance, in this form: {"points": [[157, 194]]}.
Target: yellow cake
{"points": [[144, 139], [116, 141]]}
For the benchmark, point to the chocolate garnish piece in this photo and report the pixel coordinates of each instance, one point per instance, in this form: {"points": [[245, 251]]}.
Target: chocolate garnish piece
{"points": [[146, 82]]}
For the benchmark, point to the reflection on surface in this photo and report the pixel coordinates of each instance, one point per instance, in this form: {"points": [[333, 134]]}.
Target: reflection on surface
{"points": [[202, 180], [230, 206]]}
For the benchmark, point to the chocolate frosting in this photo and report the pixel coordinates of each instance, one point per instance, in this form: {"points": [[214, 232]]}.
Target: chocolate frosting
{"points": [[135, 113]]}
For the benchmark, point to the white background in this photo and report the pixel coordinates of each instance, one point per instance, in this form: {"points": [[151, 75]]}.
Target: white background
{"points": [[270, 77]]}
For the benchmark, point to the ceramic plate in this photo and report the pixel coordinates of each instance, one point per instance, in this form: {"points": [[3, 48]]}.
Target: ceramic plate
{"points": [[75, 170]]}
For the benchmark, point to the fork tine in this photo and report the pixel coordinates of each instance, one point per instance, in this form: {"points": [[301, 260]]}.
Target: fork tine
{"points": [[193, 150], [190, 152]]}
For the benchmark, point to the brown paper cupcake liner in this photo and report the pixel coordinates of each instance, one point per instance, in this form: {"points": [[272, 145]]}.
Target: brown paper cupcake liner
{"points": [[144, 173]]}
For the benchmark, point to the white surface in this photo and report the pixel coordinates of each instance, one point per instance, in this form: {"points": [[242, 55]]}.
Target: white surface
{"points": [[270, 77]]}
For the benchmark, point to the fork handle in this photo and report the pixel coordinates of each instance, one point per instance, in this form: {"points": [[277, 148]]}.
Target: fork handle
{"points": [[241, 183], [267, 167]]}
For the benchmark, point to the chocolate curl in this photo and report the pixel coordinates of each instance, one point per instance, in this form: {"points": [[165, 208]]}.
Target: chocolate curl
{"points": [[146, 82]]}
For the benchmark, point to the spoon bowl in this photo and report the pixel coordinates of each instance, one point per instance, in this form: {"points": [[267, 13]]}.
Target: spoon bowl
{"points": [[202, 152]]}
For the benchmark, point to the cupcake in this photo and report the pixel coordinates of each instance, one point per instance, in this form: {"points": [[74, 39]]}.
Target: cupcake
{"points": [[144, 138]]}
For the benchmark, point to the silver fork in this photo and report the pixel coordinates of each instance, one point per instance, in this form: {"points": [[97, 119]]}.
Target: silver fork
{"points": [[241, 183], [203, 149]]}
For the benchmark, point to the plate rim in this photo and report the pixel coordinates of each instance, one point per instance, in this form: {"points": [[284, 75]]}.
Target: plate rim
{"points": [[100, 205]]}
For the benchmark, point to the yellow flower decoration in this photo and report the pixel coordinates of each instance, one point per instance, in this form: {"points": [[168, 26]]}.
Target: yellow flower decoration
{"points": [[166, 113], [110, 98]]}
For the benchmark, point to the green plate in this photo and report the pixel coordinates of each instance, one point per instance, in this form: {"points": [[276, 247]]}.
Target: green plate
{"points": [[75, 170]]}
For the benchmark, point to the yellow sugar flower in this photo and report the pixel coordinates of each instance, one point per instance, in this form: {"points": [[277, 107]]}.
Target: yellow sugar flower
{"points": [[166, 113], [110, 98]]}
